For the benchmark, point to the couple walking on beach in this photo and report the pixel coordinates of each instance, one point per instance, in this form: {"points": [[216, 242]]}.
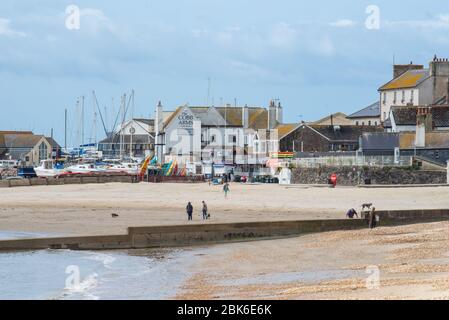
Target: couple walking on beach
{"points": [[189, 210]]}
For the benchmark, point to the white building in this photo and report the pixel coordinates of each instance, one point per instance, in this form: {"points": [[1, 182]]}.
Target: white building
{"points": [[133, 138], [412, 85], [229, 136]]}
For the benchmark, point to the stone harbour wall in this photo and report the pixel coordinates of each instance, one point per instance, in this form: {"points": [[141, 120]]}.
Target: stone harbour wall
{"points": [[352, 176]]}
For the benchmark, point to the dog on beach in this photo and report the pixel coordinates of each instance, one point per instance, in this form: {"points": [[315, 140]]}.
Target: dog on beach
{"points": [[367, 206]]}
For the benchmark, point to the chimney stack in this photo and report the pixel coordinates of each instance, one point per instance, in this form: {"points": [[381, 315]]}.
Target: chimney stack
{"points": [[245, 116], [439, 67], [159, 118], [400, 69], [423, 125], [272, 111]]}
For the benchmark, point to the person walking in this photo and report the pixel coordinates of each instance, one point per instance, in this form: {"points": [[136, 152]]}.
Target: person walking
{"points": [[372, 218], [189, 210], [204, 211], [226, 189]]}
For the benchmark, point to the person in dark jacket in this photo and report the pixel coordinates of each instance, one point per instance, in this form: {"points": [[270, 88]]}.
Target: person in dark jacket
{"points": [[189, 210], [351, 213], [372, 218]]}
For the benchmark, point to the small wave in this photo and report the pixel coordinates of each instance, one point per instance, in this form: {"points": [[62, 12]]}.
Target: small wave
{"points": [[106, 259], [82, 288]]}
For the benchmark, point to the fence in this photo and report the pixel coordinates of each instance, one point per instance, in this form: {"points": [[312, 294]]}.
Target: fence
{"points": [[356, 160]]}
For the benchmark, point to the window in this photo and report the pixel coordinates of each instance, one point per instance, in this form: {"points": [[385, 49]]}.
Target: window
{"points": [[43, 151], [385, 98], [212, 138], [412, 97], [363, 123], [356, 123], [395, 97], [403, 96], [232, 139], [375, 123], [369, 122]]}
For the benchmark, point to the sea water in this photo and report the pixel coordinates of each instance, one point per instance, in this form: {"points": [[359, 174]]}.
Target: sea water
{"points": [[66, 274]]}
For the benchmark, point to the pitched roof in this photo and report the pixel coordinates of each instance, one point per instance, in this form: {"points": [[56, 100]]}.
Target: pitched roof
{"points": [[21, 140], [409, 79], [137, 139], [380, 140], [257, 116], [372, 111], [338, 118], [285, 129], [406, 115], [344, 133], [434, 140], [149, 122], [4, 133]]}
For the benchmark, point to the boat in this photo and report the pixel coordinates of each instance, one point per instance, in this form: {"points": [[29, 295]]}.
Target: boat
{"points": [[126, 167], [83, 168], [48, 168]]}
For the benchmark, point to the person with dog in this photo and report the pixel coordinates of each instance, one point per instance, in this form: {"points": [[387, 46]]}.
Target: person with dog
{"points": [[189, 210], [205, 214]]}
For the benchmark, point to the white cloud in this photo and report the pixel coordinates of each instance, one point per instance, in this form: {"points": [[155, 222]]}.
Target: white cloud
{"points": [[6, 30], [343, 23]]}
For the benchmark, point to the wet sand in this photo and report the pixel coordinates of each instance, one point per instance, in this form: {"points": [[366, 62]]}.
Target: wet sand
{"points": [[86, 209], [413, 263]]}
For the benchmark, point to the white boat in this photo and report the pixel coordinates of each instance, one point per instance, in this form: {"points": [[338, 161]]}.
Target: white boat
{"points": [[83, 168], [47, 168], [129, 168]]}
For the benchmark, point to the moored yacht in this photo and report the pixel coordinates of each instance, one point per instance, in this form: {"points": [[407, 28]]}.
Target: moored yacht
{"points": [[48, 168]]}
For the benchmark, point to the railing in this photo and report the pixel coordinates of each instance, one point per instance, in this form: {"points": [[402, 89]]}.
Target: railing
{"points": [[360, 160]]}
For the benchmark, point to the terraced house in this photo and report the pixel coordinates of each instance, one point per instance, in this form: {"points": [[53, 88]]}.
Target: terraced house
{"points": [[413, 85]]}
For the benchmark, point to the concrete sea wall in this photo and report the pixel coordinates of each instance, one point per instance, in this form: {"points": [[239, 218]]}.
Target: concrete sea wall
{"points": [[201, 234], [67, 180], [352, 176]]}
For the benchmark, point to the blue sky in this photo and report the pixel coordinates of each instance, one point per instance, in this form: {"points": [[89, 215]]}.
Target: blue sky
{"points": [[317, 57]]}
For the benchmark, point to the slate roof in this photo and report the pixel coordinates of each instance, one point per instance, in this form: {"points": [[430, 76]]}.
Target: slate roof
{"points": [[137, 139], [407, 115], [380, 141], [372, 111], [257, 116], [344, 133]]}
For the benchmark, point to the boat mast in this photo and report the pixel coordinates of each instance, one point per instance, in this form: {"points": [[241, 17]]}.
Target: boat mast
{"points": [[132, 130], [82, 120]]}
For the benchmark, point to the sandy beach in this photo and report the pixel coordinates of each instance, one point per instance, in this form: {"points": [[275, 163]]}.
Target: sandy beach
{"points": [[413, 260], [87, 209], [412, 263]]}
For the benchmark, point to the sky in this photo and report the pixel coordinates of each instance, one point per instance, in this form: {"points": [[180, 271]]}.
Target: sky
{"points": [[316, 57]]}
